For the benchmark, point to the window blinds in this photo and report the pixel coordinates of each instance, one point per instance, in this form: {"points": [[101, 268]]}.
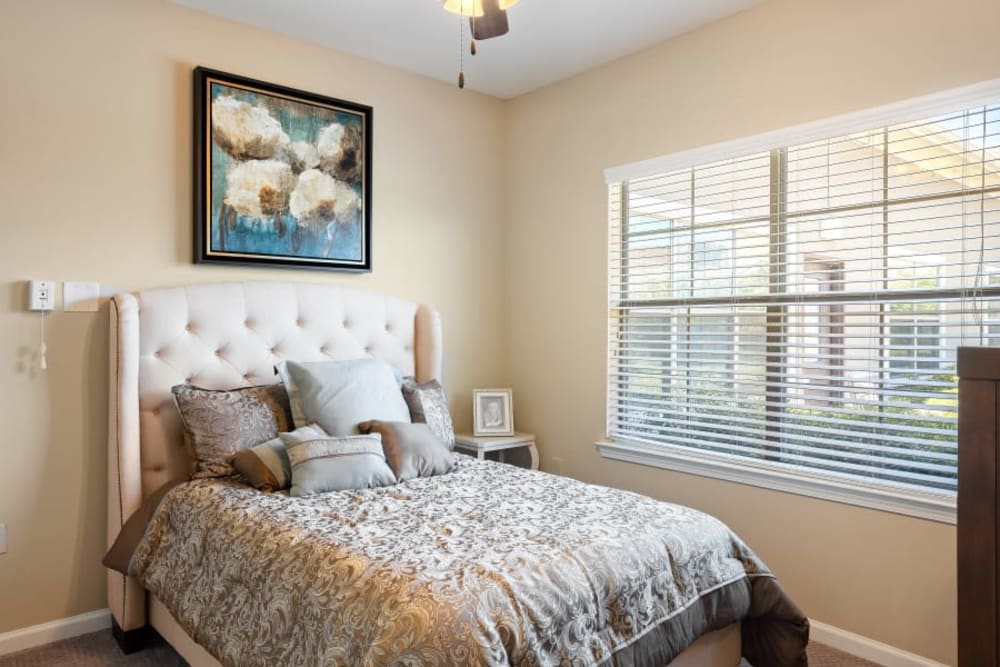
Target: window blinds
{"points": [[801, 307]]}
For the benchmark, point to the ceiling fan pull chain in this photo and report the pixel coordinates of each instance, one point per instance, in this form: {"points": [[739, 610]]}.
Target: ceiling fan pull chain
{"points": [[461, 53]]}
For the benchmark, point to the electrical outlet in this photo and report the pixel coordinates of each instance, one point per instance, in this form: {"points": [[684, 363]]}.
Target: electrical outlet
{"points": [[557, 464], [41, 295], [3, 538]]}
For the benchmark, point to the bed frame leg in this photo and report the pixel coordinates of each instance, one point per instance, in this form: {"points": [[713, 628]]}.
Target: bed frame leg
{"points": [[129, 641]]}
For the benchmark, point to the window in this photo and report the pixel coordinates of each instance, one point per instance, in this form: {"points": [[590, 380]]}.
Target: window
{"points": [[798, 309]]}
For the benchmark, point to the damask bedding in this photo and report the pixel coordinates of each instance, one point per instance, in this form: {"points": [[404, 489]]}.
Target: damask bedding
{"points": [[486, 565]]}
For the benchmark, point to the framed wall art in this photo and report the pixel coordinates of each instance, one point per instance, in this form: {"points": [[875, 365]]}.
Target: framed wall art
{"points": [[282, 177], [492, 413]]}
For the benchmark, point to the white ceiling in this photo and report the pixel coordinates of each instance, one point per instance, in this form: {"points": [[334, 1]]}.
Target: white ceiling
{"points": [[548, 40]]}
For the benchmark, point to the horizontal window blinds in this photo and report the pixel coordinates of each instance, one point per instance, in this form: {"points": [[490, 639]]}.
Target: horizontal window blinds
{"points": [[802, 306]]}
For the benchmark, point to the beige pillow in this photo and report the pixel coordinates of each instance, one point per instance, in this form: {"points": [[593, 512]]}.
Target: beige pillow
{"points": [[266, 466], [412, 450], [218, 424]]}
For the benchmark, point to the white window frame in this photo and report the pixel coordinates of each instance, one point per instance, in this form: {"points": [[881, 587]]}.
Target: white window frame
{"points": [[932, 506]]}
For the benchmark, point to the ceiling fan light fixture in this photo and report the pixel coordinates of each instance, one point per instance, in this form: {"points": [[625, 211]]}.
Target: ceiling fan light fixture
{"points": [[466, 7], [474, 7], [493, 24], [487, 19]]}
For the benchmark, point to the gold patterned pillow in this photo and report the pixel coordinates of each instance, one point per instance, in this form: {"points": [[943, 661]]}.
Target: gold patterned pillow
{"points": [[218, 424], [428, 405]]}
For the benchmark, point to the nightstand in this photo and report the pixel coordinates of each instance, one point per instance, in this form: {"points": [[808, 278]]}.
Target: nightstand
{"points": [[479, 445]]}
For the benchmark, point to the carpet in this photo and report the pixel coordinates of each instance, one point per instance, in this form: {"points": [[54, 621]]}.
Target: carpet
{"points": [[99, 649]]}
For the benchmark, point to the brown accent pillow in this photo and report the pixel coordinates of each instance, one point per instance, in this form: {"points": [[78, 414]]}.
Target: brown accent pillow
{"points": [[428, 405], [266, 466], [411, 450], [218, 424]]}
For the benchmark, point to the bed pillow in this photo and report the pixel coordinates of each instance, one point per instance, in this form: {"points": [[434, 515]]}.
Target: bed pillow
{"points": [[322, 463], [266, 467], [218, 424], [412, 450], [339, 395], [428, 405]]}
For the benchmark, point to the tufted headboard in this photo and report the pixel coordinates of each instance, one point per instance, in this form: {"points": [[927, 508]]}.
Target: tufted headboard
{"points": [[221, 336]]}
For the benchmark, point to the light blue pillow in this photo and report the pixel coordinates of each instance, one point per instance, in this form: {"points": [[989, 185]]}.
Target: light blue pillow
{"points": [[266, 467], [322, 463], [339, 395]]}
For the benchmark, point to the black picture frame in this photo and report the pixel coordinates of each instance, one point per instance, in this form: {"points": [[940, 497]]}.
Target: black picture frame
{"points": [[296, 191]]}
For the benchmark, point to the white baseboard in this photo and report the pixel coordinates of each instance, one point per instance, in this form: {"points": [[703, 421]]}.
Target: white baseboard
{"points": [[53, 631], [866, 648]]}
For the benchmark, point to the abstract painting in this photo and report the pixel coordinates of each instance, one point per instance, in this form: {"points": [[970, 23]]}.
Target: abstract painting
{"points": [[282, 176]]}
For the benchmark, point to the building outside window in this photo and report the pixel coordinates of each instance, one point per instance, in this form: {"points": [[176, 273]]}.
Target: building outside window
{"points": [[801, 307]]}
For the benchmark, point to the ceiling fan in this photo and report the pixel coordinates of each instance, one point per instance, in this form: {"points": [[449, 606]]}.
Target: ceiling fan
{"points": [[487, 19]]}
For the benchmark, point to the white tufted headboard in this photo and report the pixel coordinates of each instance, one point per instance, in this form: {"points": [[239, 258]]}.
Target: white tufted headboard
{"points": [[221, 336]]}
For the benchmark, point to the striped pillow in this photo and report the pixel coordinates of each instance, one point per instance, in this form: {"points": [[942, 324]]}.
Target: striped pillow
{"points": [[322, 463], [266, 467]]}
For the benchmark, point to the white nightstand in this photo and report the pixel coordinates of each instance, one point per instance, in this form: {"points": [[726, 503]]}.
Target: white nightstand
{"points": [[478, 445]]}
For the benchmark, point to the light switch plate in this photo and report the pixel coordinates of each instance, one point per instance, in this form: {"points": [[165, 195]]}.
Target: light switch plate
{"points": [[81, 297], [41, 294], [3, 538]]}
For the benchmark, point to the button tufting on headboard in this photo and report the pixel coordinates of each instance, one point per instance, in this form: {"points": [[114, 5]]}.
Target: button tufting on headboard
{"points": [[221, 336]]}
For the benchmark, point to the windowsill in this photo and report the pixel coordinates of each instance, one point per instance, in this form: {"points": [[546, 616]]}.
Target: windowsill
{"points": [[924, 505]]}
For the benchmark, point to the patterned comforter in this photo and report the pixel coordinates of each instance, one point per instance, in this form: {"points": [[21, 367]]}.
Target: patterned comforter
{"points": [[487, 565]]}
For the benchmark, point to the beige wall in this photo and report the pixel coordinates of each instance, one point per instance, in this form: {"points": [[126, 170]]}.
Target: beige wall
{"points": [[782, 63], [95, 180], [95, 177]]}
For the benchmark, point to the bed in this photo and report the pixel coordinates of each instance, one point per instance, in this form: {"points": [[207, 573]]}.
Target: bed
{"points": [[229, 335]]}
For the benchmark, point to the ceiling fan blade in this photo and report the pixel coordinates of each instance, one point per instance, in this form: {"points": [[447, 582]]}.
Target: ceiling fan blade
{"points": [[492, 23]]}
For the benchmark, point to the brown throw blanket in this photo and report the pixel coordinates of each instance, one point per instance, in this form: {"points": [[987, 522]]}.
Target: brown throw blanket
{"points": [[486, 565]]}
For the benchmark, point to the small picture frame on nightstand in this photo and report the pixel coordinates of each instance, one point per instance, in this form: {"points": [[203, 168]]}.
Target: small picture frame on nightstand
{"points": [[492, 412]]}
